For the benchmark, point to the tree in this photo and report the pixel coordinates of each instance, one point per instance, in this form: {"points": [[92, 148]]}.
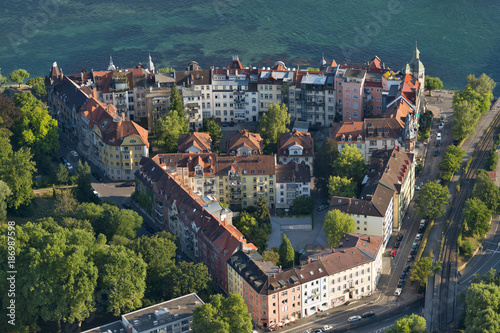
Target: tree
{"points": [[262, 213], [222, 315], [286, 253], [17, 171], [336, 224], [421, 271], [302, 205], [481, 308], [18, 76], [271, 255], [451, 162], [341, 187], [122, 276], [38, 88], [431, 200], [466, 248], [84, 192], [482, 85], [9, 112], [36, 128], [5, 192], [169, 128], [3, 79], [486, 191], [187, 278], [65, 204], [211, 126], [257, 233], [409, 324], [62, 174], [166, 70], [350, 164], [274, 122], [477, 217], [465, 119], [432, 83], [176, 103], [323, 163]]}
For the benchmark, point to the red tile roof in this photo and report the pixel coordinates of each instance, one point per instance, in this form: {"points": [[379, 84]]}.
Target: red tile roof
{"points": [[202, 141], [287, 140], [190, 161], [256, 165], [346, 129], [244, 138]]}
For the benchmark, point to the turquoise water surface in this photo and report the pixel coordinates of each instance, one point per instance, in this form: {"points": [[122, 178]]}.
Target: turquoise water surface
{"points": [[455, 37]]}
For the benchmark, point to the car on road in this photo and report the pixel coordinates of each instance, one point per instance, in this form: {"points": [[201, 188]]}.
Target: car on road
{"points": [[398, 291], [421, 230], [224, 124], [322, 207], [414, 246], [64, 160], [368, 314], [441, 125], [436, 152], [400, 237], [69, 166], [127, 184], [126, 204], [407, 269], [413, 252], [96, 194], [354, 318], [401, 283], [403, 276], [439, 136], [317, 330], [442, 117], [393, 253], [419, 237], [327, 328], [74, 153], [396, 246], [410, 258]]}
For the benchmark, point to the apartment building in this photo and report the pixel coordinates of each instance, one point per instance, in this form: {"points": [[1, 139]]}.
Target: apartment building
{"points": [[114, 144], [292, 180], [245, 143], [203, 236], [270, 85], [194, 142], [349, 84], [241, 180], [296, 146], [350, 133], [175, 315], [382, 133], [314, 280]]}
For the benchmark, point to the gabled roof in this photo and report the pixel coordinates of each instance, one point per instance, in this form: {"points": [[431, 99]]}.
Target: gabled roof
{"points": [[354, 129], [202, 141], [293, 173], [254, 165], [170, 162], [244, 138], [390, 167], [303, 139], [382, 128], [70, 93], [311, 271]]}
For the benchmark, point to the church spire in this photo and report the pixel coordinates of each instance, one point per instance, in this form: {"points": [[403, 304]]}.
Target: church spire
{"points": [[416, 55], [111, 66], [151, 66]]}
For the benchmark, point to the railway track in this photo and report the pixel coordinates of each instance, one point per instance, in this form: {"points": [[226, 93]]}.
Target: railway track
{"points": [[449, 254]]}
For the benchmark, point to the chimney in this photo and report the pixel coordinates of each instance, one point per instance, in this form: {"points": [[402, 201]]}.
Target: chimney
{"points": [[279, 269], [369, 239], [308, 261]]}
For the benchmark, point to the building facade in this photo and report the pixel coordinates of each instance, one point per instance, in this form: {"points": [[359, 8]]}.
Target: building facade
{"points": [[298, 147], [292, 181]]}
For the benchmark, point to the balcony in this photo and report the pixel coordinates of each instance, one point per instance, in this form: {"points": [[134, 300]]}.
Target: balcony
{"points": [[262, 191], [158, 212], [234, 184], [261, 184]]}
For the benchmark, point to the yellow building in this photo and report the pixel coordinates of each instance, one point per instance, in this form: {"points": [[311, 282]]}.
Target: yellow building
{"points": [[118, 145], [241, 180]]}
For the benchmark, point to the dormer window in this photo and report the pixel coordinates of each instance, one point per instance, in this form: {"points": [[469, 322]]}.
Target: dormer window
{"points": [[349, 138], [359, 138], [343, 138]]}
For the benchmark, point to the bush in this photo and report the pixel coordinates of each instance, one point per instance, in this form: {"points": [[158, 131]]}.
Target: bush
{"points": [[491, 162], [466, 248], [302, 205]]}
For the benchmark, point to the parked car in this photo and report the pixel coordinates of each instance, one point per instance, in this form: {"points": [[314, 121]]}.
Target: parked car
{"points": [[127, 184], [317, 330], [436, 152], [393, 253], [401, 283], [413, 252], [421, 230], [396, 246], [439, 136], [126, 204], [354, 318], [327, 328], [69, 166], [414, 246], [442, 117], [398, 291], [400, 237], [419, 237], [322, 207], [441, 125], [224, 124], [403, 276], [410, 258], [63, 160], [74, 153], [368, 314], [407, 269], [422, 223]]}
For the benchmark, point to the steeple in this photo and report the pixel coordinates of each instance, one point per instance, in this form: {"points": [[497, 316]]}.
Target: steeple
{"points": [[416, 55], [111, 66], [151, 66], [323, 63]]}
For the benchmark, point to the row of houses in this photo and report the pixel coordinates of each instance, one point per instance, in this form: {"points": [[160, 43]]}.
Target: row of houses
{"points": [[332, 93]]}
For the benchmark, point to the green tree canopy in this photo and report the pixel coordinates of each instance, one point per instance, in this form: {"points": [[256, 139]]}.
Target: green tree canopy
{"points": [[451, 162], [286, 253], [481, 308], [341, 187], [37, 86], [176, 103], [477, 217], [323, 163], [409, 324], [3, 79], [166, 70], [122, 276], [222, 315], [17, 171], [432, 83], [84, 192], [18, 76], [421, 270], [36, 128], [5, 192], [431, 200], [62, 174], [169, 128], [187, 278], [65, 204], [465, 118], [274, 122], [262, 213], [9, 112], [336, 224], [487, 191], [271, 255], [350, 164], [302, 205], [212, 127]]}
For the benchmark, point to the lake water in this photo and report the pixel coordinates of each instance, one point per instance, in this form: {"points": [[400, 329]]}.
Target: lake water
{"points": [[455, 38]]}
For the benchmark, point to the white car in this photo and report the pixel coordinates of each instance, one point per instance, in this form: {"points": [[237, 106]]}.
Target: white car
{"points": [[354, 318], [69, 166], [419, 237], [398, 291], [74, 153], [327, 327]]}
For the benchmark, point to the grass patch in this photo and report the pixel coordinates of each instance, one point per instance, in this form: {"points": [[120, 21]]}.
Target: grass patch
{"points": [[424, 241]]}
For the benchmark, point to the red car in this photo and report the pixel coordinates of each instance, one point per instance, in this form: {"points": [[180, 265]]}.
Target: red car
{"points": [[393, 253]]}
